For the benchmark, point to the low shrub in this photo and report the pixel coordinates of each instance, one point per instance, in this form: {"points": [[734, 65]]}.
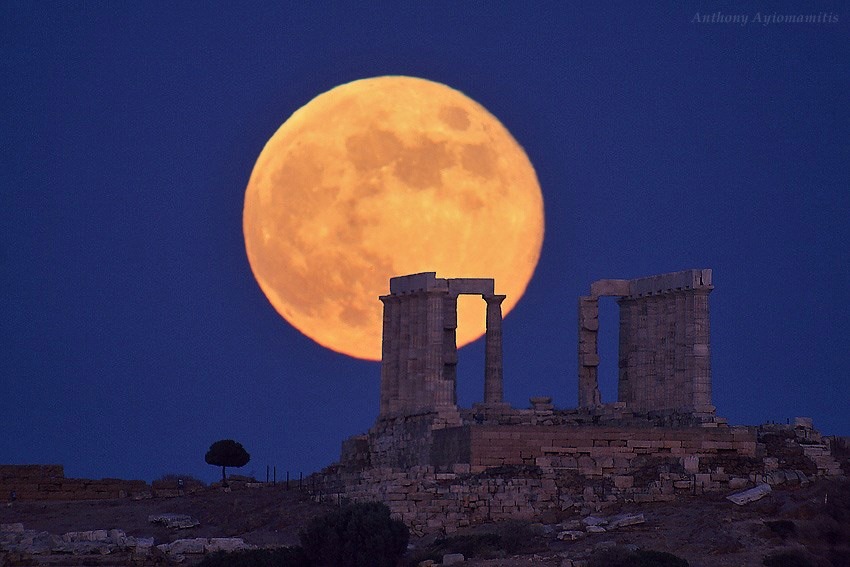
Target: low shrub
{"points": [[281, 557], [355, 535], [504, 538], [483, 546], [520, 537], [787, 559], [782, 528], [622, 557]]}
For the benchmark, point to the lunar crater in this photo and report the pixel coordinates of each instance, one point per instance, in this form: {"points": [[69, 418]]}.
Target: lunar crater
{"points": [[455, 117]]}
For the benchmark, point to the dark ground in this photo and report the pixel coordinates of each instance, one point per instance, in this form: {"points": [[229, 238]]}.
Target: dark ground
{"points": [[708, 531]]}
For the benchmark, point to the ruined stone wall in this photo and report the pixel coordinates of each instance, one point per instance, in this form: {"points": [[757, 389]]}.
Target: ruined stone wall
{"points": [[401, 442], [664, 355], [48, 482], [664, 351], [599, 450], [429, 500], [483, 473]]}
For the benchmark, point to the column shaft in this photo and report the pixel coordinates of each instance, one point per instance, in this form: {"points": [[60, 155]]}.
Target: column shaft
{"points": [[493, 387]]}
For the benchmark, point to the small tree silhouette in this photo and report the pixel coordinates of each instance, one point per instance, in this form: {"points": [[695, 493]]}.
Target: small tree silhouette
{"points": [[227, 453]]}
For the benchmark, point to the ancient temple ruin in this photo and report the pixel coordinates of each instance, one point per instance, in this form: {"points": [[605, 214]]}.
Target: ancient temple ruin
{"points": [[664, 358], [439, 466], [419, 352]]}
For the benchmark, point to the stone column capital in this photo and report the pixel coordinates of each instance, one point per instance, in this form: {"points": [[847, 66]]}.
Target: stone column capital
{"points": [[491, 299]]}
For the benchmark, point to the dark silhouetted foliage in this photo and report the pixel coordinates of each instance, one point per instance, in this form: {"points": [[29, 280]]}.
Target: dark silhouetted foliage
{"points": [[356, 535], [281, 557], [787, 559], [782, 528], [485, 546], [622, 557], [505, 538], [227, 453]]}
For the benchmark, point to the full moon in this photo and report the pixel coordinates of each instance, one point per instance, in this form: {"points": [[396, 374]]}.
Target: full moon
{"points": [[383, 177]]}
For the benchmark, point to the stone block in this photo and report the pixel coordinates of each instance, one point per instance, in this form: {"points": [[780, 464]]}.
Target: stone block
{"points": [[175, 521], [453, 559], [226, 544], [702, 479], [615, 288], [624, 481], [751, 495], [594, 521], [623, 520]]}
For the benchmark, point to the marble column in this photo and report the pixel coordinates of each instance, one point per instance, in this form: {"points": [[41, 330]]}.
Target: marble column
{"points": [[588, 354], [389, 356], [439, 391], [493, 389], [701, 365]]}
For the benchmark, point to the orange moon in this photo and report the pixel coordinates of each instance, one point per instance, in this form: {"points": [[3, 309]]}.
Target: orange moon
{"points": [[383, 177]]}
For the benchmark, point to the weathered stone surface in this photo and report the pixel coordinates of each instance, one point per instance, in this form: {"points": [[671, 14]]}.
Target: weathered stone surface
{"points": [[419, 354], [610, 288], [594, 521], [596, 530], [92, 535], [664, 332], [623, 520], [453, 558], [751, 495], [571, 535], [196, 545], [227, 544], [175, 521]]}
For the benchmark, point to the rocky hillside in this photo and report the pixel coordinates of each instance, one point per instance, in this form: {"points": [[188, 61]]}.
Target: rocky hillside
{"points": [[708, 531]]}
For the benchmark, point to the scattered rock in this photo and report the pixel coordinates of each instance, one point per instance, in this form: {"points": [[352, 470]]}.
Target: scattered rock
{"points": [[751, 495], [596, 530], [623, 520], [183, 546], [594, 521], [453, 558], [571, 535], [91, 535], [571, 525], [227, 544], [175, 521]]}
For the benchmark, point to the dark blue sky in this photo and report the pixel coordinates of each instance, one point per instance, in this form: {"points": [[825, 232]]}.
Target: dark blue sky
{"points": [[133, 334]]}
